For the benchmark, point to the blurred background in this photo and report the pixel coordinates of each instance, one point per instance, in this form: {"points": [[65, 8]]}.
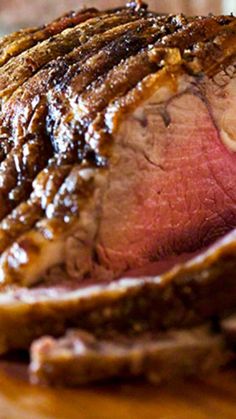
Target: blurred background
{"points": [[15, 14]]}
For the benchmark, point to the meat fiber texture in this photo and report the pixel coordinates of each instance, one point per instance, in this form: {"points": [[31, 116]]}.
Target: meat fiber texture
{"points": [[118, 160]]}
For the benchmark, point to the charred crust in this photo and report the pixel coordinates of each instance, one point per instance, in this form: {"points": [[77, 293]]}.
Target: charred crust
{"points": [[76, 80]]}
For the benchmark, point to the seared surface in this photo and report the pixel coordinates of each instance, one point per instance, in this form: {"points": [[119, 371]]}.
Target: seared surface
{"points": [[64, 94], [79, 358], [117, 154], [189, 295]]}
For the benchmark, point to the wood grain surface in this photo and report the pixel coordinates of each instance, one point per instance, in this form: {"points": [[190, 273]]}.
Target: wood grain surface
{"points": [[212, 398]]}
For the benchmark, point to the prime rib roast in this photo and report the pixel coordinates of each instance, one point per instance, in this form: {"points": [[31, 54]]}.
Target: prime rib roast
{"points": [[118, 203]]}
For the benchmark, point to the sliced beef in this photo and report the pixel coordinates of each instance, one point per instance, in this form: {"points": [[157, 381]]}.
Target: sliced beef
{"points": [[79, 358], [135, 126], [190, 294], [117, 157]]}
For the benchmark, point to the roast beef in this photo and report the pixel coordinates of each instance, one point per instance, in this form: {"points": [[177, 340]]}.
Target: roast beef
{"points": [[117, 159], [80, 358], [116, 146], [191, 294]]}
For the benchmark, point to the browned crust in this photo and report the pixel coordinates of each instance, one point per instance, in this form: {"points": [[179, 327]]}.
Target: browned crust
{"points": [[80, 358], [14, 44], [170, 46], [34, 122], [189, 295]]}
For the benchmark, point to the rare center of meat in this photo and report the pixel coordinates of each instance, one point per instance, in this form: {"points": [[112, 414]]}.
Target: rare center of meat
{"points": [[171, 185]]}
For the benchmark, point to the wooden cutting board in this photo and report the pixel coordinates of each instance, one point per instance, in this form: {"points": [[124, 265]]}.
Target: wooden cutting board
{"points": [[212, 398]]}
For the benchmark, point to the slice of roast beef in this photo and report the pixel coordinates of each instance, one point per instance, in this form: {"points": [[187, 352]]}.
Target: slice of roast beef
{"points": [[190, 294], [14, 44], [80, 358]]}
